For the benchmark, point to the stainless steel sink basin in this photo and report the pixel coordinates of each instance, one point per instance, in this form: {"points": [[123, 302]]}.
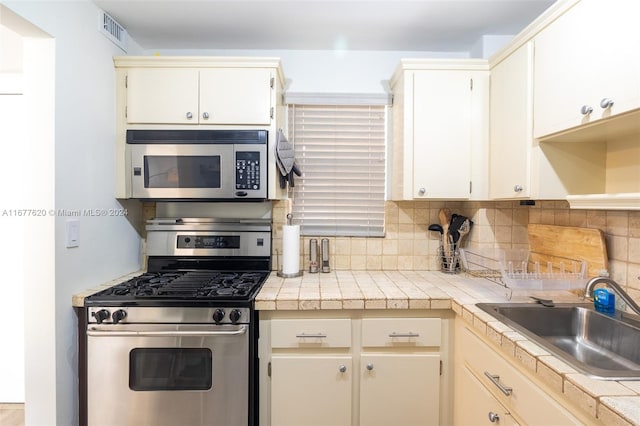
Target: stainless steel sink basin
{"points": [[598, 345]]}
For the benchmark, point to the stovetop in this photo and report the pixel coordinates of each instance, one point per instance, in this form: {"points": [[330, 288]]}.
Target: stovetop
{"points": [[185, 288], [197, 262]]}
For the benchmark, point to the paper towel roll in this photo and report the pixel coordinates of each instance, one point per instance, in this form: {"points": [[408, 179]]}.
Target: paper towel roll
{"points": [[290, 249]]}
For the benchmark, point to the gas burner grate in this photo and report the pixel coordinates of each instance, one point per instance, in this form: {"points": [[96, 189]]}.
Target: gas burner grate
{"points": [[189, 285]]}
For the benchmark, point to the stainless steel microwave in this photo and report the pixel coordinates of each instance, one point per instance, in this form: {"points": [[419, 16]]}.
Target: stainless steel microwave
{"points": [[197, 164]]}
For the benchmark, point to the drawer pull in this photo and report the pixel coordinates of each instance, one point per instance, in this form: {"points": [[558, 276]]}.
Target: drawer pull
{"points": [[409, 334], [496, 381], [311, 336]]}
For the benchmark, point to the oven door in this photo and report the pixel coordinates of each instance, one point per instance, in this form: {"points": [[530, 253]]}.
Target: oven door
{"points": [[162, 374], [182, 171]]}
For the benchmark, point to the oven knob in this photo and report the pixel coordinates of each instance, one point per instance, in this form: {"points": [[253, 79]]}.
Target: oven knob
{"points": [[218, 315], [118, 316], [235, 315], [100, 315]]}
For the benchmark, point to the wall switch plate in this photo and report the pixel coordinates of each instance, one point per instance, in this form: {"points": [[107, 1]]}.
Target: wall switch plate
{"points": [[72, 233]]}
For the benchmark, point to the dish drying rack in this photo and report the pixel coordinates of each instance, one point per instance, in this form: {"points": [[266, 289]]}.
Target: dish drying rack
{"points": [[524, 270]]}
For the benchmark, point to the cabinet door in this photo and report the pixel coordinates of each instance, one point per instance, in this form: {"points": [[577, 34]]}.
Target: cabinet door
{"points": [[310, 390], [587, 55], [527, 401], [511, 121], [397, 389], [162, 95], [474, 404], [442, 134], [235, 96]]}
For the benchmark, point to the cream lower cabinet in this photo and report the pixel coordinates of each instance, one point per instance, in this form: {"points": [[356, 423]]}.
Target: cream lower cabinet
{"points": [[313, 390], [477, 406], [353, 370], [399, 383], [399, 389], [486, 382]]}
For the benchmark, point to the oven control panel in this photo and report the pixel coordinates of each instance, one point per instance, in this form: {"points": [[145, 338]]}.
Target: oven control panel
{"points": [[208, 241]]}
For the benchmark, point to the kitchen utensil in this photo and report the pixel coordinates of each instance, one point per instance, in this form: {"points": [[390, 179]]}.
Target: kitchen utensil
{"points": [[547, 243], [464, 229], [444, 215], [457, 221], [544, 302], [437, 228]]}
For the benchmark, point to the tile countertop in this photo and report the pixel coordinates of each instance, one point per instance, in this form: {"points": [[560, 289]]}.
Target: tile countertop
{"points": [[77, 300], [611, 402]]}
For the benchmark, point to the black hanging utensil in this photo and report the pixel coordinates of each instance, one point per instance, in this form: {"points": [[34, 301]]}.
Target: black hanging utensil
{"points": [[456, 222], [437, 228]]}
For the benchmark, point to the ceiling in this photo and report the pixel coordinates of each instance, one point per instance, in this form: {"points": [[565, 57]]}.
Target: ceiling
{"points": [[393, 25]]}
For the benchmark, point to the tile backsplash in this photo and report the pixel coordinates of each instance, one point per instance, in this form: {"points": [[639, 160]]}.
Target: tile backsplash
{"points": [[408, 245]]}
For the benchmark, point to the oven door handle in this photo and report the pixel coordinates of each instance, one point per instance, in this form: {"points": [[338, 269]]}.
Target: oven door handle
{"points": [[95, 332]]}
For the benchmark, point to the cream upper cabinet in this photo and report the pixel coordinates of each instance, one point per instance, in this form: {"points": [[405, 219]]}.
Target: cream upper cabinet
{"points": [[236, 95], [440, 130], [199, 96], [587, 65], [510, 141]]}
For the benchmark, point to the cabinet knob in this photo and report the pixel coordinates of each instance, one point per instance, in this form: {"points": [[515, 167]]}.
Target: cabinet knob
{"points": [[606, 103], [205, 115], [422, 191], [370, 366], [342, 368], [189, 115], [517, 188], [493, 417], [586, 110]]}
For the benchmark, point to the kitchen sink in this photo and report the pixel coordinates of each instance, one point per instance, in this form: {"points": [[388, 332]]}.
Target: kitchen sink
{"points": [[596, 344]]}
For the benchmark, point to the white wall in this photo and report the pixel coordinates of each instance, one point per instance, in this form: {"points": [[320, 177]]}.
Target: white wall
{"points": [[487, 45], [328, 71], [12, 114], [84, 179]]}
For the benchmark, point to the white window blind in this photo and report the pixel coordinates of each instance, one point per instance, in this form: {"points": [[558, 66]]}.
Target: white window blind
{"points": [[340, 150]]}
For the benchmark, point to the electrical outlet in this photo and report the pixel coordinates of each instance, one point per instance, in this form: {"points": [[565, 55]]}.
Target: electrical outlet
{"points": [[72, 233]]}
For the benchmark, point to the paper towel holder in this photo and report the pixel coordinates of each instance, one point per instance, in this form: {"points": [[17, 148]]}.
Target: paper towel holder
{"points": [[279, 267]]}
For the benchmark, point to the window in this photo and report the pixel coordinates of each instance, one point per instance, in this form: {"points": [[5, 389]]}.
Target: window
{"points": [[340, 150]]}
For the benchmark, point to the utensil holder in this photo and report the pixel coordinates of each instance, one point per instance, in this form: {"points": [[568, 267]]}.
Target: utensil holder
{"points": [[449, 258]]}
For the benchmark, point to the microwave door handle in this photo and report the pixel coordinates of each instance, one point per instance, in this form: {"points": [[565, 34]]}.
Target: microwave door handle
{"points": [[95, 332]]}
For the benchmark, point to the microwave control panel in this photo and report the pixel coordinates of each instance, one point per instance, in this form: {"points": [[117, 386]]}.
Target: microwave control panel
{"points": [[248, 170]]}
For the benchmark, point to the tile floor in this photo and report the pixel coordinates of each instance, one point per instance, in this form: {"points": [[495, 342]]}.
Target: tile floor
{"points": [[11, 414]]}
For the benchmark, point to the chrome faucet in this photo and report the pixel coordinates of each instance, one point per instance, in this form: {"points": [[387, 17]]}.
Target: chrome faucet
{"points": [[591, 284]]}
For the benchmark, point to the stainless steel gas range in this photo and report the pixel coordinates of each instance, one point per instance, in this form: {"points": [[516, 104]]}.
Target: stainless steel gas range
{"points": [[177, 345]]}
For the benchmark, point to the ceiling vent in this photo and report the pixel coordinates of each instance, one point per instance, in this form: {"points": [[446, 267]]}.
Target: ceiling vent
{"points": [[113, 31]]}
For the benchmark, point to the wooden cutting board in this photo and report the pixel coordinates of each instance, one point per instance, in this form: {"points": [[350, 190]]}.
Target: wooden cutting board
{"points": [[551, 242]]}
